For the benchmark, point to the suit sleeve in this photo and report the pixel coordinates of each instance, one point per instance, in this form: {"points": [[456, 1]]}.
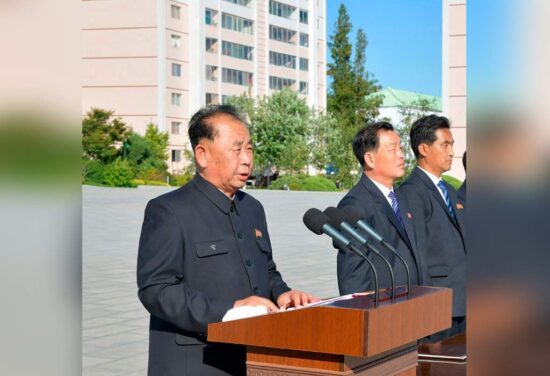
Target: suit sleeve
{"points": [[276, 283], [160, 277], [354, 273]]}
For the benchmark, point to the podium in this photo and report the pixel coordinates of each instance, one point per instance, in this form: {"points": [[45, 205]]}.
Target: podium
{"points": [[344, 337]]}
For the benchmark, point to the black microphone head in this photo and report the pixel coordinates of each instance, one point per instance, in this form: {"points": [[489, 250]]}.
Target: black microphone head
{"points": [[352, 214], [336, 216], [314, 219]]}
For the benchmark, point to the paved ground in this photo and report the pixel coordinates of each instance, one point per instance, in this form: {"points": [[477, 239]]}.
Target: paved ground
{"points": [[115, 324]]}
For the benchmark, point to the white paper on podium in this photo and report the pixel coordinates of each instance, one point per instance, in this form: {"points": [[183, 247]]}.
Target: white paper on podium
{"points": [[243, 312]]}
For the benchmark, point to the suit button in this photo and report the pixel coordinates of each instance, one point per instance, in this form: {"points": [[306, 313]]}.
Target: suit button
{"points": [[248, 263], [231, 209], [240, 235], [256, 290]]}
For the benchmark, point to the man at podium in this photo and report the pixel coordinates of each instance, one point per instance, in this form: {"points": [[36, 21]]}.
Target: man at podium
{"points": [[205, 249]]}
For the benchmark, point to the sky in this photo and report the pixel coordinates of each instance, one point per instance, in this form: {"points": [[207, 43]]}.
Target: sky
{"points": [[404, 50]]}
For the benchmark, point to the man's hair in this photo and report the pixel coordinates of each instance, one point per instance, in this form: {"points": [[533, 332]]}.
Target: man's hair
{"points": [[367, 139], [423, 130], [200, 126], [464, 160]]}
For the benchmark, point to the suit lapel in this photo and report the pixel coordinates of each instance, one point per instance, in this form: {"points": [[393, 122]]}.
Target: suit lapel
{"points": [[385, 208]]}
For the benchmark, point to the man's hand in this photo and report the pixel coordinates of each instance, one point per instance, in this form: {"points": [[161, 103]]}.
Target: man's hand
{"points": [[294, 298], [256, 301]]}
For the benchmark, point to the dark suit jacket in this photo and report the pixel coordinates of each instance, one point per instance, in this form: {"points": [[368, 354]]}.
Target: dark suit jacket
{"points": [[354, 274], [199, 252], [461, 193], [440, 237]]}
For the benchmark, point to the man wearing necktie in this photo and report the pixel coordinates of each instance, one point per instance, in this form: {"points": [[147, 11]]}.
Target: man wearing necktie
{"points": [[377, 147], [438, 213]]}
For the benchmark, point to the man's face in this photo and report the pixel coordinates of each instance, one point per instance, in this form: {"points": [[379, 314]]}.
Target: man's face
{"points": [[388, 161], [227, 161], [438, 156]]}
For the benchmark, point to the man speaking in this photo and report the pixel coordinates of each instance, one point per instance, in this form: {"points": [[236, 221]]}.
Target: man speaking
{"points": [[205, 249]]}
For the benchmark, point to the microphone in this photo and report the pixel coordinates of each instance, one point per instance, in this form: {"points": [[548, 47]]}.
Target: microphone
{"points": [[338, 220], [355, 217], [318, 222]]}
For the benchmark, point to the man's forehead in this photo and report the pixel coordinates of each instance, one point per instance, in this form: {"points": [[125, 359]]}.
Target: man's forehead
{"points": [[444, 134], [388, 136]]}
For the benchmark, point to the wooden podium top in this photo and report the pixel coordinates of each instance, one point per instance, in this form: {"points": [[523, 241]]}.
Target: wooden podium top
{"points": [[347, 327]]}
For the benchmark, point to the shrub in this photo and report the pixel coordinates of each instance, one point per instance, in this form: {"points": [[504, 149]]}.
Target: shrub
{"points": [[137, 182], [92, 171], [151, 173], [318, 183], [118, 174], [177, 180], [304, 183], [454, 182]]}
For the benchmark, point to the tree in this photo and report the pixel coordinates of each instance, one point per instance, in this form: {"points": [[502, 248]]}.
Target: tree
{"points": [[147, 154], [409, 113], [279, 126], [347, 97], [103, 135]]}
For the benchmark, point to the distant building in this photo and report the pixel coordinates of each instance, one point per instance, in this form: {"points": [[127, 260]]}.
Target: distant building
{"points": [[395, 100], [158, 61]]}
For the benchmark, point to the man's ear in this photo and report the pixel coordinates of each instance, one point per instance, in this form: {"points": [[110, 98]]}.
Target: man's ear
{"points": [[368, 157], [201, 156], [423, 150]]}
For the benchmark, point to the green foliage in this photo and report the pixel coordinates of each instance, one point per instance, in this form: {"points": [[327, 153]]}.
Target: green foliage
{"points": [[347, 100], [92, 171], [304, 183], [147, 154], [409, 114], [454, 182], [100, 135], [280, 127], [118, 174], [178, 180]]}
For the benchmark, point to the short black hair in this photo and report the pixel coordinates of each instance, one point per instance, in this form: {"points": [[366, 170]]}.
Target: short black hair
{"points": [[423, 130], [464, 160], [367, 139], [200, 127]]}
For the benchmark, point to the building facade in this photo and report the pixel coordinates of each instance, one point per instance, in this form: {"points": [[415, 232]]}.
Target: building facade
{"points": [[453, 68], [158, 61]]}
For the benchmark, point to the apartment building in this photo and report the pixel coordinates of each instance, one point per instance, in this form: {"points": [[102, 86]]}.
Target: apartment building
{"points": [[158, 61]]}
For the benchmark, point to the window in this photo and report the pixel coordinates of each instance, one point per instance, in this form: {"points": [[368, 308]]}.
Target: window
{"points": [[304, 39], [239, 51], [176, 127], [224, 99], [175, 12], [303, 16], [303, 87], [283, 60], [211, 98], [278, 83], [281, 34], [176, 155], [176, 99], [244, 3], [211, 73], [237, 77], [235, 23], [175, 40], [304, 64], [211, 45], [176, 70], [280, 9], [210, 17]]}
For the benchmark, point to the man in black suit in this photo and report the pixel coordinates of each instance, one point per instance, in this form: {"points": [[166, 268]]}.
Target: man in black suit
{"points": [[439, 214], [461, 193], [377, 147], [205, 249]]}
